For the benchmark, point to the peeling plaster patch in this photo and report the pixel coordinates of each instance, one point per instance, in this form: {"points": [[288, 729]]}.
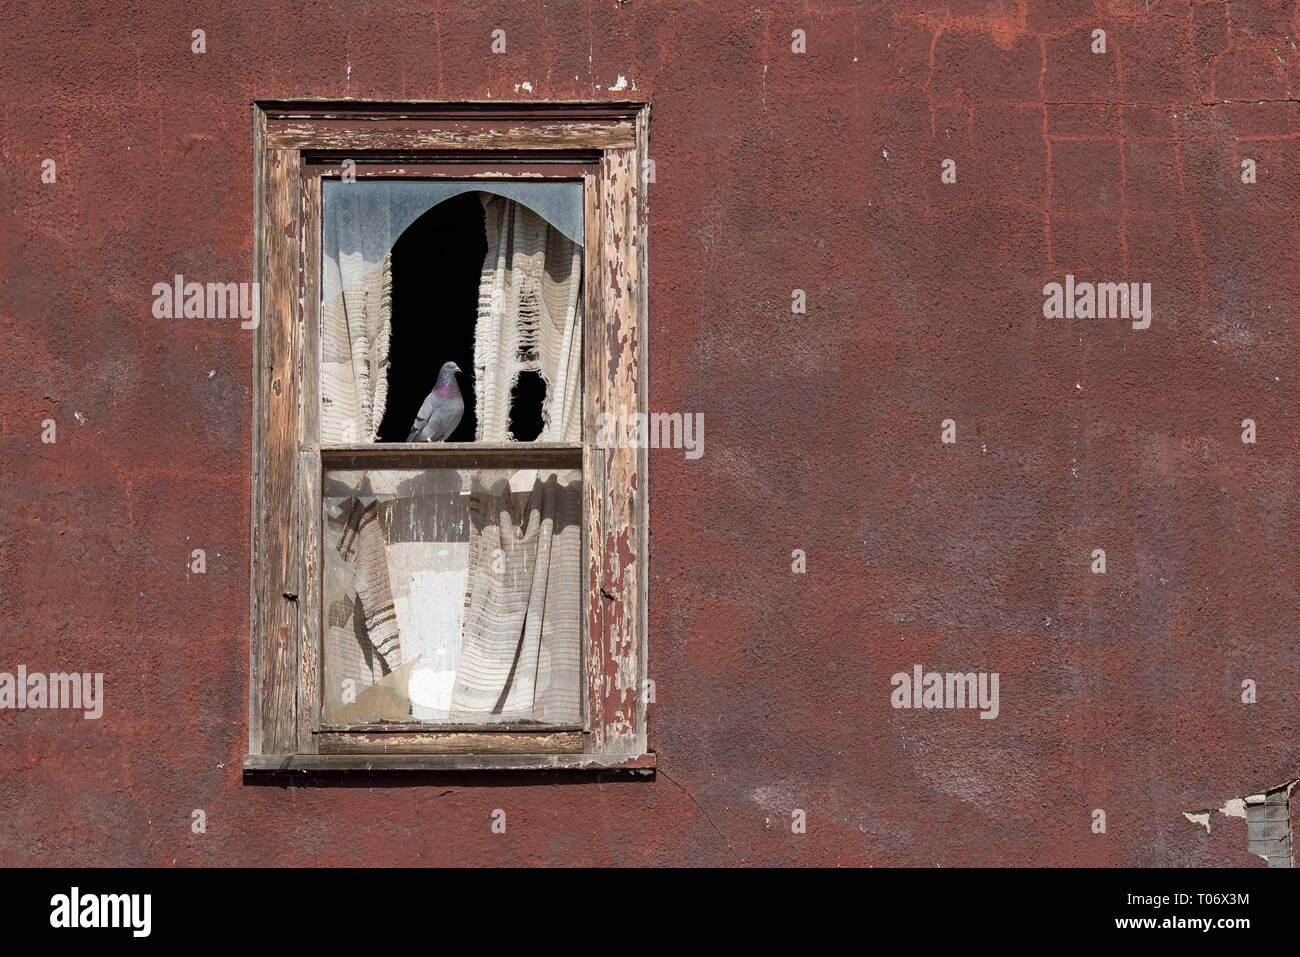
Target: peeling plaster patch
{"points": [[1267, 817], [1234, 808], [525, 86], [620, 83]]}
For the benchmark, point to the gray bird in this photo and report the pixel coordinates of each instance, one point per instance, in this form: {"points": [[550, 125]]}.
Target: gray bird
{"points": [[442, 409]]}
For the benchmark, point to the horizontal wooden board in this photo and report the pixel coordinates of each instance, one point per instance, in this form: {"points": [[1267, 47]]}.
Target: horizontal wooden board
{"points": [[453, 164], [643, 764], [452, 455], [450, 742], [467, 135]]}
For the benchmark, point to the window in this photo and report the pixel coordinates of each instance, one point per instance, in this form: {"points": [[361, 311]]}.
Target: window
{"points": [[1268, 826], [467, 589]]}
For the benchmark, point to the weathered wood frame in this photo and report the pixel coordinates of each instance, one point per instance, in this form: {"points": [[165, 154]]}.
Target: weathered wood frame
{"points": [[294, 142]]}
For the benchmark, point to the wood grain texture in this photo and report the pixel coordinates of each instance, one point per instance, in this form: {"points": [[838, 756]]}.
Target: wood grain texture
{"points": [[309, 315], [593, 477], [451, 742], [452, 455], [309, 467], [461, 135], [620, 588], [643, 764], [489, 165], [280, 553], [309, 600], [642, 218]]}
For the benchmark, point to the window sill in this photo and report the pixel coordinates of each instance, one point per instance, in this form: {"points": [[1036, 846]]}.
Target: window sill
{"points": [[640, 765]]}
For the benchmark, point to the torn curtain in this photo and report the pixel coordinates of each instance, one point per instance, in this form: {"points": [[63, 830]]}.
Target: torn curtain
{"points": [[457, 593], [521, 654], [356, 326]]}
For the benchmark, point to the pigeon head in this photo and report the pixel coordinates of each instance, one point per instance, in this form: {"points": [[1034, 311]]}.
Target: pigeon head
{"points": [[447, 378]]}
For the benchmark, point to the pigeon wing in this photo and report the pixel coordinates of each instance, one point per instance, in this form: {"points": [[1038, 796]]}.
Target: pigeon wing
{"points": [[443, 419], [422, 419]]}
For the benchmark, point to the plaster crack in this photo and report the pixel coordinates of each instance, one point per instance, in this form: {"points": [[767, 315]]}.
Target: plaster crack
{"points": [[696, 803]]}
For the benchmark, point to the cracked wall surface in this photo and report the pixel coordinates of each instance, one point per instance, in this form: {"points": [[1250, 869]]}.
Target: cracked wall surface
{"points": [[1121, 692]]}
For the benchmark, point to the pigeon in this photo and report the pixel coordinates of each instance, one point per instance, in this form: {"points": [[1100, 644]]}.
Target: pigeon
{"points": [[442, 409]]}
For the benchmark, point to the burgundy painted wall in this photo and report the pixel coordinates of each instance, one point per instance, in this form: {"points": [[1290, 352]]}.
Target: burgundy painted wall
{"points": [[775, 171]]}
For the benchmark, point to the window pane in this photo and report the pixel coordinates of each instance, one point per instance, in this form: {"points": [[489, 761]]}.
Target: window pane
{"points": [[452, 596], [485, 275]]}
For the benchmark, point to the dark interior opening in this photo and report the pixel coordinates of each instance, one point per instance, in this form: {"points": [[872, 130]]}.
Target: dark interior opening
{"points": [[526, 406], [437, 264]]}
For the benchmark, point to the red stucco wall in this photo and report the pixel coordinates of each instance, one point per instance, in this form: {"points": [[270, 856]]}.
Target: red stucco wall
{"points": [[775, 171]]}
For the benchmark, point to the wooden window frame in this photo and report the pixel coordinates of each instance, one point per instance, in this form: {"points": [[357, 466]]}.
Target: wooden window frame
{"points": [[296, 144]]}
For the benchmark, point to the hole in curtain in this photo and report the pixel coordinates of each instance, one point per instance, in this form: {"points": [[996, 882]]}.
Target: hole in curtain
{"points": [[526, 402], [437, 264]]}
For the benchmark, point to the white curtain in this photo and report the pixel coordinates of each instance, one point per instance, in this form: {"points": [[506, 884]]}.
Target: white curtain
{"points": [[529, 320], [456, 595], [356, 327], [521, 655]]}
